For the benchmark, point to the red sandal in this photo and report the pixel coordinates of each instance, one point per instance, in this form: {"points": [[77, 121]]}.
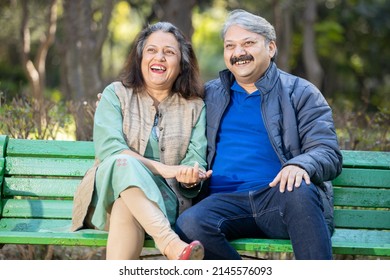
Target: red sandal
{"points": [[194, 251]]}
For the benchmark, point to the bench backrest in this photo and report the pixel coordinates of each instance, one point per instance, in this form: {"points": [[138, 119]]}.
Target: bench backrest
{"points": [[39, 179], [362, 191]]}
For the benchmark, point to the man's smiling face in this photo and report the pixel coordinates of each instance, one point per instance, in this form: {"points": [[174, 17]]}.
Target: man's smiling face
{"points": [[247, 55]]}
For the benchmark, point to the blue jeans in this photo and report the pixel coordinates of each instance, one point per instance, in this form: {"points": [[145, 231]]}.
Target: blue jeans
{"points": [[296, 215]]}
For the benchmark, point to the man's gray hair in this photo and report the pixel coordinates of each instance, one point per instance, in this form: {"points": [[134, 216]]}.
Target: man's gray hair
{"points": [[249, 22]]}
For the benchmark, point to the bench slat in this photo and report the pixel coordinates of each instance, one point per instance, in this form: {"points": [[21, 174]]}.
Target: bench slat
{"points": [[3, 144], [22, 208], [2, 168], [361, 242], [34, 225], [50, 148], [363, 177], [362, 197], [366, 159], [344, 241], [42, 187], [356, 218], [47, 166], [347, 218], [79, 238]]}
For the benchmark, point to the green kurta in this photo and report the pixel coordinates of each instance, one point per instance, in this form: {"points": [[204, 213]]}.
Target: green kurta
{"points": [[117, 171]]}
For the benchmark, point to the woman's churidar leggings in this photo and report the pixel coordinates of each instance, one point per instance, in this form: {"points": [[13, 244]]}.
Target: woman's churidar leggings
{"points": [[132, 215]]}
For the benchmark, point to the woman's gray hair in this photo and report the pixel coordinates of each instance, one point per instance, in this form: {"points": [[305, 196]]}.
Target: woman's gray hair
{"points": [[249, 22]]}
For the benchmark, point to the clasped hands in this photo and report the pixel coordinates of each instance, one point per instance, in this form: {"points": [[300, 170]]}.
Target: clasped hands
{"points": [[190, 176]]}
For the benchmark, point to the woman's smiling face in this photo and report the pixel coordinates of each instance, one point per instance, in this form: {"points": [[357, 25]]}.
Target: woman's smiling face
{"points": [[161, 59]]}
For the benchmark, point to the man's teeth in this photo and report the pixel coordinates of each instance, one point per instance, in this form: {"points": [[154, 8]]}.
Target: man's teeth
{"points": [[242, 62]]}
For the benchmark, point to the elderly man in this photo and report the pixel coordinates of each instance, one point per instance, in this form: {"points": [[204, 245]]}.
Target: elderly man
{"points": [[272, 147]]}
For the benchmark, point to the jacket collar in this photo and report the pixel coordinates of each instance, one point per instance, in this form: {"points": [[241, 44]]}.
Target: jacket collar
{"points": [[264, 84]]}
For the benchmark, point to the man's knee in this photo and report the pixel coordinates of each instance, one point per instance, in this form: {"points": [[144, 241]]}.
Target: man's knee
{"points": [[305, 198], [187, 219], [186, 225]]}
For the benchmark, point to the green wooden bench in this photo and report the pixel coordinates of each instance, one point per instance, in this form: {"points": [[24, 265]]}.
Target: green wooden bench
{"points": [[38, 179]]}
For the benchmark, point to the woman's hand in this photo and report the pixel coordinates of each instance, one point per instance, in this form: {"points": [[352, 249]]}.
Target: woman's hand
{"points": [[188, 175], [191, 176]]}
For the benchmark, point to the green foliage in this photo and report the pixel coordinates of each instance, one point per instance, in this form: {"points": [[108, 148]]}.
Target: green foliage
{"points": [[207, 27], [330, 36], [17, 121], [123, 29], [351, 42], [359, 130], [358, 65]]}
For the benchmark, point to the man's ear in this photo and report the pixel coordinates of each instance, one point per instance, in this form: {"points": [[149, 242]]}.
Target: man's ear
{"points": [[272, 49]]}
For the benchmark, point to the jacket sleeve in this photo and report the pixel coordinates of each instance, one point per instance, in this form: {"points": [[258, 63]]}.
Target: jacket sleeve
{"points": [[320, 154]]}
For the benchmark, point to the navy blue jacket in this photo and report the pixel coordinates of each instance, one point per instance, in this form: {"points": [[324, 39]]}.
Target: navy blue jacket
{"points": [[297, 117]]}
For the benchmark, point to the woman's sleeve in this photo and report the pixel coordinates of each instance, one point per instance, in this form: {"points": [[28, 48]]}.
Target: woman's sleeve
{"points": [[107, 132], [196, 152], [197, 148]]}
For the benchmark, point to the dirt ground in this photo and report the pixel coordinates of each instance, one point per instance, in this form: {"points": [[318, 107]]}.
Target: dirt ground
{"points": [[42, 252]]}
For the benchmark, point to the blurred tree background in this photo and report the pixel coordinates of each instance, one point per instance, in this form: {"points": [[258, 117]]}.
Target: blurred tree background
{"points": [[56, 55]]}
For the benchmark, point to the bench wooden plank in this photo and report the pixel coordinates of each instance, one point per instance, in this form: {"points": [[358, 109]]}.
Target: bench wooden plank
{"points": [[356, 218], [93, 238], [364, 178], [3, 145], [363, 197], [79, 238], [347, 218], [47, 166], [24, 208], [374, 242], [2, 171], [344, 241], [361, 242], [366, 159], [50, 148], [34, 225], [40, 187], [2, 168]]}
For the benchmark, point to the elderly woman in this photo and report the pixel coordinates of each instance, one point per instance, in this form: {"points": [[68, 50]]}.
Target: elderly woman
{"points": [[149, 136]]}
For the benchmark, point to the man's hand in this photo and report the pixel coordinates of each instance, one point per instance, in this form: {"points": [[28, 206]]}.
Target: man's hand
{"points": [[290, 176]]}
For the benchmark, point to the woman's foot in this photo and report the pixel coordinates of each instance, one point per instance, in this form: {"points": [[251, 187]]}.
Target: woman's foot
{"points": [[194, 251]]}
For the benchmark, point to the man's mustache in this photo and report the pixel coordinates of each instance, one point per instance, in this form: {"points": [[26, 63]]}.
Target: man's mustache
{"points": [[246, 57]]}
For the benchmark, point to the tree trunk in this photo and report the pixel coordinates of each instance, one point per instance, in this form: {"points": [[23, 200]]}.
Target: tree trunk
{"points": [[177, 12], [36, 70], [313, 67], [83, 43], [284, 31]]}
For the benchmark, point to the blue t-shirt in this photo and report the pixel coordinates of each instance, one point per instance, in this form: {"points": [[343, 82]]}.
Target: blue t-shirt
{"points": [[245, 158]]}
